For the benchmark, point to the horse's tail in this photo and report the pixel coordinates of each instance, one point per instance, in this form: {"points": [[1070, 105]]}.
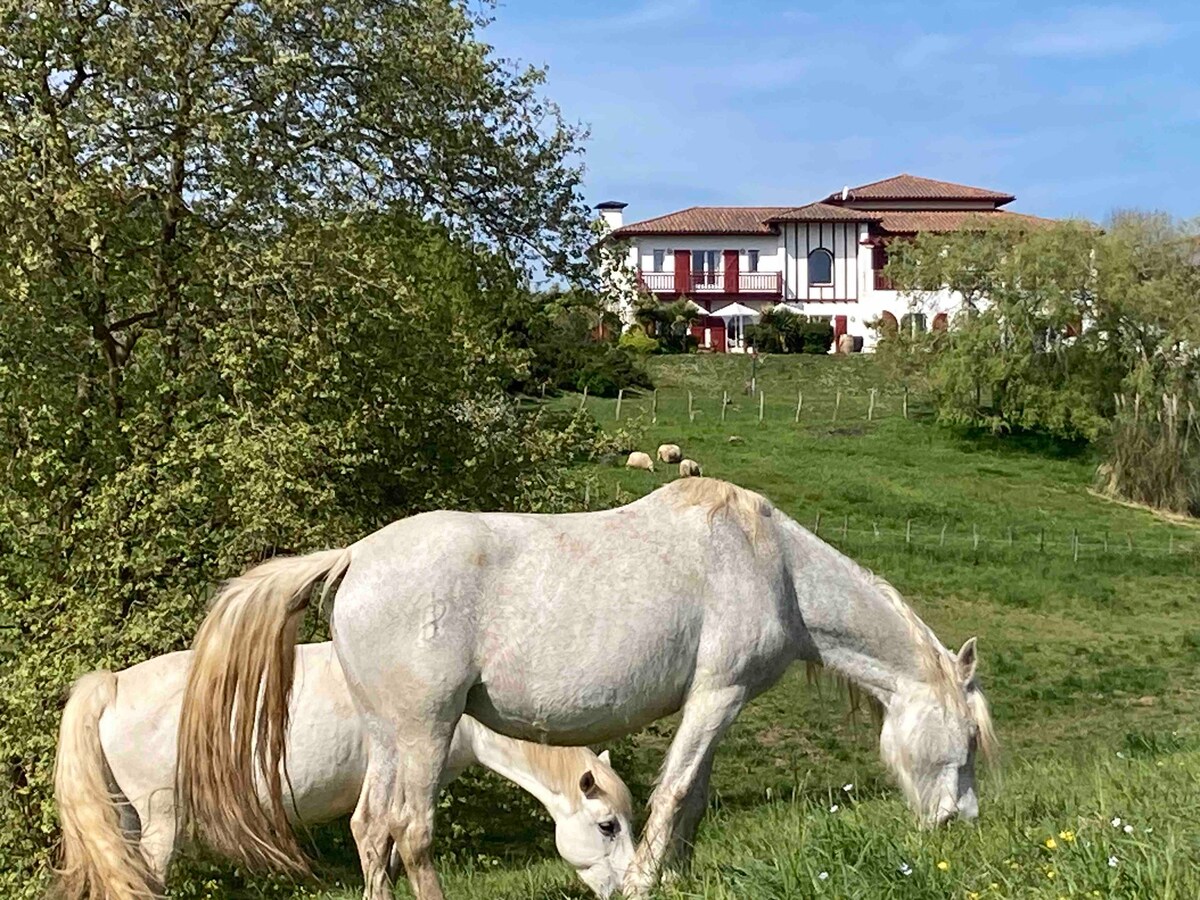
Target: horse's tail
{"points": [[242, 662], [97, 859]]}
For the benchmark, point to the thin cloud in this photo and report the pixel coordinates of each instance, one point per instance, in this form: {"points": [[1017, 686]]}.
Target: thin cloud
{"points": [[654, 12], [926, 49], [1091, 31]]}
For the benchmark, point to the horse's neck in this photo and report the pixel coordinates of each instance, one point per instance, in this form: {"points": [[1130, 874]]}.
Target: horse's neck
{"points": [[504, 756], [854, 626]]}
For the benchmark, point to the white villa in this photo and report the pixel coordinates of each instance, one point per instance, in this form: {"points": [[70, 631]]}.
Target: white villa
{"points": [[822, 259]]}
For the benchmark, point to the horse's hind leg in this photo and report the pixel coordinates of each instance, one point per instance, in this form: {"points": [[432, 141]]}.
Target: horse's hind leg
{"points": [[397, 805], [707, 714]]}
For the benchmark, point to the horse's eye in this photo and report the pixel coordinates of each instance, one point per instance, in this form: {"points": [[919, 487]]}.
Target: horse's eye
{"points": [[610, 828]]}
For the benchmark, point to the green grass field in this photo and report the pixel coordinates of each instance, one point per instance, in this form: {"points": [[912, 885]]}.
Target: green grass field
{"points": [[1089, 628]]}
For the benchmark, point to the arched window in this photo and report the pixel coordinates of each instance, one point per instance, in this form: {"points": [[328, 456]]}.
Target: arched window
{"points": [[820, 267]]}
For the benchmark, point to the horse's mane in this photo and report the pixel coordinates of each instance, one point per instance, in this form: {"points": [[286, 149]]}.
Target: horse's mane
{"points": [[560, 768], [746, 508], [938, 665]]}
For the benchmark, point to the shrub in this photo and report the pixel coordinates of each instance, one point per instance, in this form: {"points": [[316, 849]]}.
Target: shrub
{"points": [[782, 331], [638, 341]]}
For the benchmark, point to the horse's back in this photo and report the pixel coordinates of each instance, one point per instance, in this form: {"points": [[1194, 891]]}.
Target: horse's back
{"points": [[568, 628]]}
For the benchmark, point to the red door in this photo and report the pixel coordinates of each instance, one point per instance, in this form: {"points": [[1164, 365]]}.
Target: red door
{"points": [[716, 330], [839, 328], [683, 271], [731, 271]]}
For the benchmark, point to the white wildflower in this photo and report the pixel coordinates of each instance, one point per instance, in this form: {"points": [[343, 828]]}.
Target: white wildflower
{"points": [[1112, 862], [823, 875], [848, 787], [1116, 822], [1128, 829], [905, 869], [833, 808]]}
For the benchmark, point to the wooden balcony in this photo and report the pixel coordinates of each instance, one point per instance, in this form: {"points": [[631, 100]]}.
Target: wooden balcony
{"points": [[762, 283], [882, 282]]}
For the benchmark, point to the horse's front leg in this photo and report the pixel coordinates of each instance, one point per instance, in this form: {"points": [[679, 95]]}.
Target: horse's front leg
{"points": [[707, 714]]}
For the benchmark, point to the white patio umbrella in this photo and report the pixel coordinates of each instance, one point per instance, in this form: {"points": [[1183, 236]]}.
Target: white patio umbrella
{"points": [[736, 315]]}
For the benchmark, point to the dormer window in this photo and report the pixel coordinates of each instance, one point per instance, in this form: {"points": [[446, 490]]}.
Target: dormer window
{"points": [[820, 267]]}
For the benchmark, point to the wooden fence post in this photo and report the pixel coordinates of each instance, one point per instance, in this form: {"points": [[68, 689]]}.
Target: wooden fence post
{"points": [[907, 532], [906, 401], [799, 403], [975, 538], [691, 409], [620, 397], [871, 406], [762, 400], [724, 403], [837, 403]]}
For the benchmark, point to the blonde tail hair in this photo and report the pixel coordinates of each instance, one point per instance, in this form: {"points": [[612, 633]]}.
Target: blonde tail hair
{"points": [[97, 859], [233, 727]]}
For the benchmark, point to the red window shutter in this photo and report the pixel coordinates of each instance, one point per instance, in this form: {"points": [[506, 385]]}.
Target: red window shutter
{"points": [[683, 271], [731, 271], [839, 328]]}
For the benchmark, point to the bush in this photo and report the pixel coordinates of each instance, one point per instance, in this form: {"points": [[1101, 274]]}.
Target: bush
{"points": [[638, 341], [566, 354], [782, 331], [668, 323], [335, 378]]}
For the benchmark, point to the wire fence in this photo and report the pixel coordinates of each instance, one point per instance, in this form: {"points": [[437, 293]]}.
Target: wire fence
{"points": [[803, 406]]}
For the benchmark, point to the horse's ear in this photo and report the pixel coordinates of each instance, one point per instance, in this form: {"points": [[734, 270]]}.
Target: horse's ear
{"points": [[967, 658], [587, 784], [605, 758]]}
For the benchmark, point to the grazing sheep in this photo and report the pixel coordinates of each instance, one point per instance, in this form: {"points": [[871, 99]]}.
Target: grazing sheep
{"points": [[689, 468], [640, 460], [670, 453]]}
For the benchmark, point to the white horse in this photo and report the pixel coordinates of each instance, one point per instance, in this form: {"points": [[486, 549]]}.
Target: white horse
{"points": [[119, 731], [567, 629]]}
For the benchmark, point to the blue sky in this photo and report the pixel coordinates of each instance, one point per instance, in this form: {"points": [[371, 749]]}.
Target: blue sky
{"points": [[1076, 109]]}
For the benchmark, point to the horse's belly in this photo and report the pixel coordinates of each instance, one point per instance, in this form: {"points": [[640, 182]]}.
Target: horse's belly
{"points": [[582, 699]]}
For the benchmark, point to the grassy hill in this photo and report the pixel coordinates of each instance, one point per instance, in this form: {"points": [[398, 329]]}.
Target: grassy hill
{"points": [[1089, 626]]}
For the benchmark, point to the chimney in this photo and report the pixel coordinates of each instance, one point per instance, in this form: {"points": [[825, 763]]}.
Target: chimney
{"points": [[611, 211]]}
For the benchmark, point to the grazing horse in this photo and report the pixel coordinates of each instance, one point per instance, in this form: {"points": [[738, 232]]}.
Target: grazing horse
{"points": [[119, 731], [567, 629]]}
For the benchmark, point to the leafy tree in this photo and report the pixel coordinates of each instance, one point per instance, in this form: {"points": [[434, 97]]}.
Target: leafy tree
{"points": [[259, 271], [1065, 329]]}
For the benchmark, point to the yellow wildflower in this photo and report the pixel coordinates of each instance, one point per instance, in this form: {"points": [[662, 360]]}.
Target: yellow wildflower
{"points": [[972, 895], [943, 865], [1050, 873], [1068, 836], [1051, 843]]}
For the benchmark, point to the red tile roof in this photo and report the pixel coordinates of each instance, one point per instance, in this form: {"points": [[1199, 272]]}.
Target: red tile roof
{"points": [[904, 221], [707, 220], [825, 212], [913, 187]]}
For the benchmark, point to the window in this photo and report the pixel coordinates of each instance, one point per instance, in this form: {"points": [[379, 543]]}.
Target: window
{"points": [[751, 260], [704, 266], [820, 267], [660, 257]]}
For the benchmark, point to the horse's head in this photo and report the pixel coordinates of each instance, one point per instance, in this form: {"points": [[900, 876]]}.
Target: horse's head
{"points": [[595, 833], [932, 733]]}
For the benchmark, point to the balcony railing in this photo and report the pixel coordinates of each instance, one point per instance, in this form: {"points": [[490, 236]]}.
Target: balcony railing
{"points": [[713, 282], [882, 282]]}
